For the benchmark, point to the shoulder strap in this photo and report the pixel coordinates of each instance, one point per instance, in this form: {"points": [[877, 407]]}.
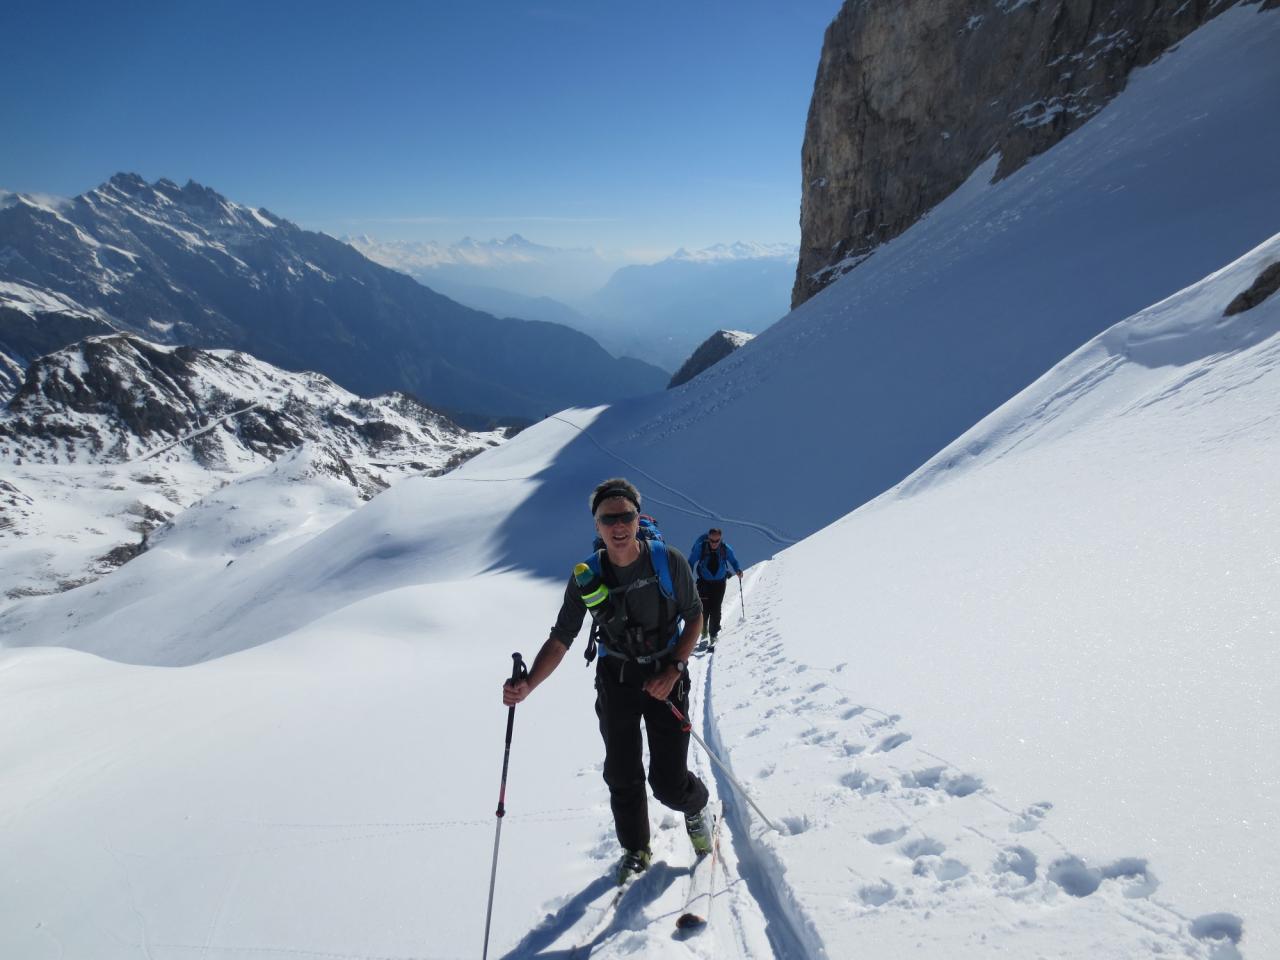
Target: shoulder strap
{"points": [[662, 567]]}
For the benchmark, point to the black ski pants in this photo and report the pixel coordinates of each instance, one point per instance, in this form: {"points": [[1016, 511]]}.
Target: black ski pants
{"points": [[711, 593], [620, 706]]}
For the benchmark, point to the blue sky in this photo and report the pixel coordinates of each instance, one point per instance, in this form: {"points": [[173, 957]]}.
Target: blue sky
{"points": [[626, 126]]}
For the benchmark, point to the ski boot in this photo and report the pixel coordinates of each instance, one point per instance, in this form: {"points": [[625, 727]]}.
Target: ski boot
{"points": [[633, 863], [699, 827]]}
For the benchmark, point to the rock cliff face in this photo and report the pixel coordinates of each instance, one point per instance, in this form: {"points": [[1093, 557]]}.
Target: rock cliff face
{"points": [[912, 95]]}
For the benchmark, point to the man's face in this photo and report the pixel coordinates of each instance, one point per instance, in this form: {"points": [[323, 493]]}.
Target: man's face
{"points": [[617, 521], [714, 540]]}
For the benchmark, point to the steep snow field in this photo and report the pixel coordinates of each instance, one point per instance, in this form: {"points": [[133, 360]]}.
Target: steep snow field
{"points": [[1022, 703]]}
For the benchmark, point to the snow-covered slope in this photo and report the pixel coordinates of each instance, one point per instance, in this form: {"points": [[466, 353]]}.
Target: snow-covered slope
{"points": [[1027, 692], [1022, 704]]}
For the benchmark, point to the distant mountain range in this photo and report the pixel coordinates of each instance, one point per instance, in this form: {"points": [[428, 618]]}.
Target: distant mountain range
{"points": [[515, 265], [184, 265], [658, 312], [663, 311]]}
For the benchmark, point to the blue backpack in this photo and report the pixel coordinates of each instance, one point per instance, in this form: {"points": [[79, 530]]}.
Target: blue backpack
{"points": [[639, 650]]}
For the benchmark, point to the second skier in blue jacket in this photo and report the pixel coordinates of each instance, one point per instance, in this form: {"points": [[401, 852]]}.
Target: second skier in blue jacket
{"points": [[712, 561]]}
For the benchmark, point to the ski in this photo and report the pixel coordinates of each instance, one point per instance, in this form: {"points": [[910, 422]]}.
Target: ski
{"points": [[697, 905], [584, 948]]}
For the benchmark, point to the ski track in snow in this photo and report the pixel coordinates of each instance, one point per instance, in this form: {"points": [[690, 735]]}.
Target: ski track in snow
{"points": [[944, 840]]}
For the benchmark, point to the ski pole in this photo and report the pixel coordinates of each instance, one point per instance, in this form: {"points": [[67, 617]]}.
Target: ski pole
{"points": [[687, 727], [518, 672], [743, 598]]}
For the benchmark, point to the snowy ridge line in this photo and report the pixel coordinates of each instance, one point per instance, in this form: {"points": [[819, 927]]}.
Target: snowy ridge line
{"points": [[196, 433], [700, 510]]}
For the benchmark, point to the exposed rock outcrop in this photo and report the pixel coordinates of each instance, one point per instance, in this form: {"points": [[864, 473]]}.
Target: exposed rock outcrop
{"points": [[118, 398], [714, 349], [1268, 283], [912, 95], [111, 441]]}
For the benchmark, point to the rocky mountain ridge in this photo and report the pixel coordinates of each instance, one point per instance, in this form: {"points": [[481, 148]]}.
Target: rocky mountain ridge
{"points": [[119, 398], [912, 95], [710, 352], [184, 265], [109, 440]]}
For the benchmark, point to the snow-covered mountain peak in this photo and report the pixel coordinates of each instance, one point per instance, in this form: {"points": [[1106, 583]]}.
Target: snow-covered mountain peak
{"points": [[199, 211], [116, 398], [40, 201], [738, 250]]}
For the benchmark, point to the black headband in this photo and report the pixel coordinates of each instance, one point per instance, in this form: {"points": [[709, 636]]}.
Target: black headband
{"points": [[609, 493]]}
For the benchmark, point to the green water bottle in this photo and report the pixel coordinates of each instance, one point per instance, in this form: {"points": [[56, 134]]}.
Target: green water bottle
{"points": [[594, 592]]}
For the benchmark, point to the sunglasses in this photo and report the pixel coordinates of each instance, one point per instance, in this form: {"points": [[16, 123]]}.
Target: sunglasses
{"points": [[714, 543], [612, 519]]}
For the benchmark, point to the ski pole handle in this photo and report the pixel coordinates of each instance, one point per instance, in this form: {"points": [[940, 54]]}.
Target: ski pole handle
{"points": [[518, 672], [518, 669]]}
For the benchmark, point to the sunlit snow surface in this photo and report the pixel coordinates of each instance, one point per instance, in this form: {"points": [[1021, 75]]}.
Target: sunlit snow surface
{"points": [[1023, 704]]}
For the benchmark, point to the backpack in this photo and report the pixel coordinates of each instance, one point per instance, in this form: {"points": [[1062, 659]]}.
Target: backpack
{"points": [[703, 548], [611, 633], [648, 529]]}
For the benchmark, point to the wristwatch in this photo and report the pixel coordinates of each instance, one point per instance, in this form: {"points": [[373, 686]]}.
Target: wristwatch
{"points": [[682, 666]]}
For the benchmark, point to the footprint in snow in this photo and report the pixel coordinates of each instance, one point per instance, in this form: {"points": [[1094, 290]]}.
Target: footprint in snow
{"points": [[815, 736], [864, 784], [1018, 861], [1074, 876], [939, 778], [877, 894], [1223, 927], [922, 847], [892, 742], [795, 825], [926, 852], [1136, 878], [944, 870], [888, 835], [1029, 819]]}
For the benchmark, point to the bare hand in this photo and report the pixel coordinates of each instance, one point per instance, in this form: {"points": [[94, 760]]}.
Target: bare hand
{"points": [[513, 693], [659, 687]]}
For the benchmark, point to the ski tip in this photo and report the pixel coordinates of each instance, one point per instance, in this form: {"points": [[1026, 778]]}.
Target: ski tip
{"points": [[688, 921]]}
